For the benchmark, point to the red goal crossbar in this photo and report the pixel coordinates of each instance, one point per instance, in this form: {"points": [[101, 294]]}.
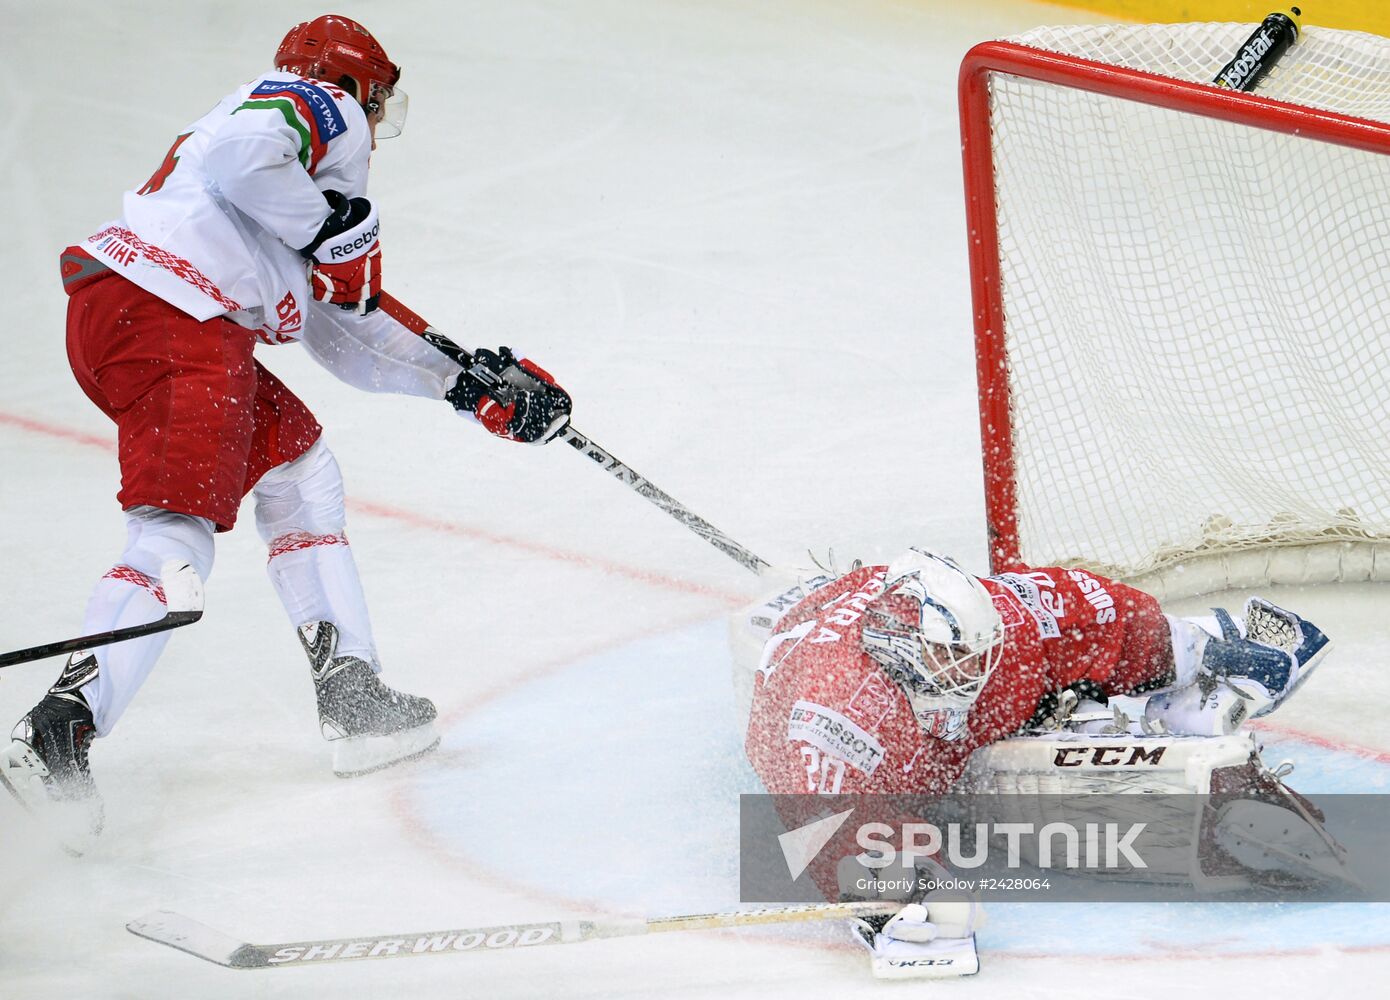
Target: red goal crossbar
{"points": [[989, 58]]}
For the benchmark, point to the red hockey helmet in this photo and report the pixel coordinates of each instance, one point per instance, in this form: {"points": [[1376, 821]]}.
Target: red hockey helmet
{"points": [[340, 51]]}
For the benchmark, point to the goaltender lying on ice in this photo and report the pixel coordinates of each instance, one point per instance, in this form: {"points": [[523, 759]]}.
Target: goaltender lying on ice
{"points": [[920, 678]]}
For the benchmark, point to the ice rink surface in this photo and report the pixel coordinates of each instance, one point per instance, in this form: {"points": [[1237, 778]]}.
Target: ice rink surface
{"points": [[735, 232]]}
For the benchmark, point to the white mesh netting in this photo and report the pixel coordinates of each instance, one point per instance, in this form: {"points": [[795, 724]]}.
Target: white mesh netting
{"points": [[1196, 312]]}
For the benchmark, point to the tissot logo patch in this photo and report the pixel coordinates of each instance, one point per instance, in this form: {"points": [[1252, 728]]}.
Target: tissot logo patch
{"points": [[835, 734]]}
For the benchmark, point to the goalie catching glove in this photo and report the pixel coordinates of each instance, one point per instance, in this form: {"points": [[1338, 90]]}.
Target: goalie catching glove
{"points": [[512, 397], [1261, 660], [346, 255]]}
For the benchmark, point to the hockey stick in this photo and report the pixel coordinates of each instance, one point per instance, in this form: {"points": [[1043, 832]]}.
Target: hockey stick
{"points": [[201, 941], [589, 449], [183, 594]]}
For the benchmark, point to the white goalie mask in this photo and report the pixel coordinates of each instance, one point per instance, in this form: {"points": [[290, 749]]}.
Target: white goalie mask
{"points": [[934, 628]]}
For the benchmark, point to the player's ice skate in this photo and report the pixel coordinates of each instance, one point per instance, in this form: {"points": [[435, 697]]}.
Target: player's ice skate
{"points": [[45, 769], [370, 725]]}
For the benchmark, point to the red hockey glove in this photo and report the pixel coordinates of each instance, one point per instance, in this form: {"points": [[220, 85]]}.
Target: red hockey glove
{"points": [[512, 397], [346, 255]]}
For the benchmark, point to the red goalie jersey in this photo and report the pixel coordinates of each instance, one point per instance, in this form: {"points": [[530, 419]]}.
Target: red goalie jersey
{"points": [[827, 718]]}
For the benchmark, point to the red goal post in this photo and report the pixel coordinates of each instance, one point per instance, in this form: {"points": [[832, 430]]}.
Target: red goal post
{"points": [[1090, 204]]}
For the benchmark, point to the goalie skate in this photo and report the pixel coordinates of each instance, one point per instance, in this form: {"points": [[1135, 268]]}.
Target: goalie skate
{"points": [[370, 725]]}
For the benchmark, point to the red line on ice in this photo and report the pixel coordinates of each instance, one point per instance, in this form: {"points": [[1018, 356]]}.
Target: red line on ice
{"points": [[448, 852], [1325, 742], [415, 519], [62, 433], [418, 520]]}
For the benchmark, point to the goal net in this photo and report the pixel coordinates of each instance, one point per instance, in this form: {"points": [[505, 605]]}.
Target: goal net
{"points": [[1182, 301]]}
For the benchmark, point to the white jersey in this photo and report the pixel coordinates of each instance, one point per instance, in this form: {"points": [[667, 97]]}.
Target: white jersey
{"points": [[215, 230]]}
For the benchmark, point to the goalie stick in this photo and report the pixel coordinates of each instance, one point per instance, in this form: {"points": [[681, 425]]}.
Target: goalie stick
{"points": [[201, 941], [583, 444], [183, 594]]}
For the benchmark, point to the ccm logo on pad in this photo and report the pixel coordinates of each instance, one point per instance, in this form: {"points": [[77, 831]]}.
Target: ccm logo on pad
{"points": [[1107, 756]]}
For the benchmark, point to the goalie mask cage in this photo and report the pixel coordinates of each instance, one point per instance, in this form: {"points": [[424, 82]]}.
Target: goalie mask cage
{"points": [[1182, 304]]}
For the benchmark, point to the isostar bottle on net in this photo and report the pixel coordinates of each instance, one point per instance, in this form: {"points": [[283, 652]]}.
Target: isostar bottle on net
{"points": [[1261, 51]]}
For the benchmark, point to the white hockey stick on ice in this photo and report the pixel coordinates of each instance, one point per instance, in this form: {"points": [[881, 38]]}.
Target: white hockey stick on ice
{"points": [[183, 594], [581, 443], [185, 934]]}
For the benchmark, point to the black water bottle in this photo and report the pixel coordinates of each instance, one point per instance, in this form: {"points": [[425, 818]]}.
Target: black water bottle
{"points": [[1261, 51]]}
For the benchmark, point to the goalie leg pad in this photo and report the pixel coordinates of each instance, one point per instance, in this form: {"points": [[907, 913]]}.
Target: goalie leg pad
{"points": [[1272, 834], [1270, 839]]}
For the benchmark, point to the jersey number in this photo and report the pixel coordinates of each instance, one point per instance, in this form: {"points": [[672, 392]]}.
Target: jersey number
{"points": [[824, 774], [166, 168]]}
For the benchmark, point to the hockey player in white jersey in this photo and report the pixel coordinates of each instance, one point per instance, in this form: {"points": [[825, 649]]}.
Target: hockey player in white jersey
{"points": [[255, 229]]}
